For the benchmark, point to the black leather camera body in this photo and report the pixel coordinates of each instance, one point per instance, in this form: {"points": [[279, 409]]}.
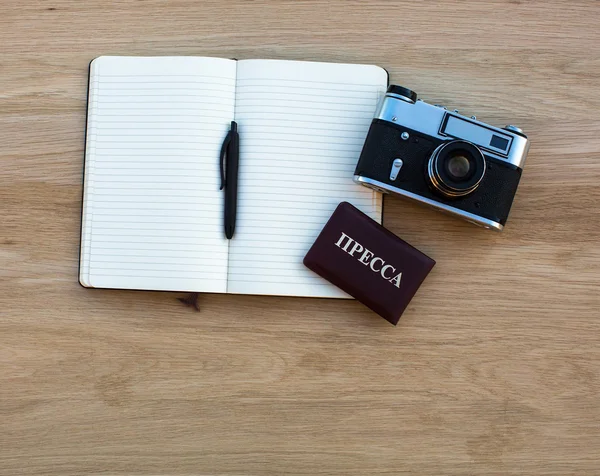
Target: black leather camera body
{"points": [[443, 159]]}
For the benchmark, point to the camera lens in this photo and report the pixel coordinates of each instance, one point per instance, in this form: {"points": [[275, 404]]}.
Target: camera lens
{"points": [[456, 168]]}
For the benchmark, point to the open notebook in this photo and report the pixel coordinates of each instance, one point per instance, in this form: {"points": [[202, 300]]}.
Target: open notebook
{"points": [[152, 208]]}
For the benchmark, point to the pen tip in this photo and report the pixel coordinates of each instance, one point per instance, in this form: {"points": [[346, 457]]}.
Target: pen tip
{"points": [[229, 232]]}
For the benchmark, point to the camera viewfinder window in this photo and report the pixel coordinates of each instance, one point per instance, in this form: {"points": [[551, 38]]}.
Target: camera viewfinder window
{"points": [[499, 142]]}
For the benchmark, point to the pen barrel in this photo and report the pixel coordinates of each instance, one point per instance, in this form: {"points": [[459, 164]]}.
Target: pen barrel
{"points": [[231, 189]]}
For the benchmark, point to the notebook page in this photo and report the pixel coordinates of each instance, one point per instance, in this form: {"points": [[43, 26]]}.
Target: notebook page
{"points": [[302, 126], [152, 213]]}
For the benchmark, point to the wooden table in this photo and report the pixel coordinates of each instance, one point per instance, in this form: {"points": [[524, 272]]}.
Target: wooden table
{"points": [[493, 369]]}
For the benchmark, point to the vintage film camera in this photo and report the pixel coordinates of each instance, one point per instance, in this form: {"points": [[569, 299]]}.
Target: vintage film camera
{"points": [[438, 157]]}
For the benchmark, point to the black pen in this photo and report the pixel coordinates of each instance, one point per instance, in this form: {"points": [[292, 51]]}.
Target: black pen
{"points": [[230, 160]]}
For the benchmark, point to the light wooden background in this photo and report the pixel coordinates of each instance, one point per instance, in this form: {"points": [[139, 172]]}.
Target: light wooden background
{"points": [[494, 368]]}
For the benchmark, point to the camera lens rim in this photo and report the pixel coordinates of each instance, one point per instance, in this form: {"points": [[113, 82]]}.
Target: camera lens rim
{"points": [[440, 175]]}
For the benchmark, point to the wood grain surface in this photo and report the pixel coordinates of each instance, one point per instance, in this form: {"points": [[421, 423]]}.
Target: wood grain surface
{"points": [[493, 369]]}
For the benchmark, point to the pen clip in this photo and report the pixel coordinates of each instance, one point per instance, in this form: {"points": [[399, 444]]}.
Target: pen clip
{"points": [[224, 147]]}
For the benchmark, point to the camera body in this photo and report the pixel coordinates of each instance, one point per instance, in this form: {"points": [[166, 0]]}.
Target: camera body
{"points": [[438, 157]]}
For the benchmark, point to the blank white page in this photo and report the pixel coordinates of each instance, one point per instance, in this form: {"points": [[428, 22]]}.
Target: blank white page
{"points": [[152, 212], [302, 126]]}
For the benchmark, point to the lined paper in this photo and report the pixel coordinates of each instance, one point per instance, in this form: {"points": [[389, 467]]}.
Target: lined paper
{"points": [[302, 126], [152, 213]]}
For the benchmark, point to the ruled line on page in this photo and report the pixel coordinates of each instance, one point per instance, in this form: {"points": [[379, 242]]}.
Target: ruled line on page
{"points": [[301, 84], [159, 275], [119, 251]]}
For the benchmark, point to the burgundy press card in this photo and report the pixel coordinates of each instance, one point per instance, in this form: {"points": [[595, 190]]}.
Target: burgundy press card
{"points": [[368, 262]]}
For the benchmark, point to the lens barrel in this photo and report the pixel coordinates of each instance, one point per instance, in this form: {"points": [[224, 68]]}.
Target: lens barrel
{"points": [[456, 168]]}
